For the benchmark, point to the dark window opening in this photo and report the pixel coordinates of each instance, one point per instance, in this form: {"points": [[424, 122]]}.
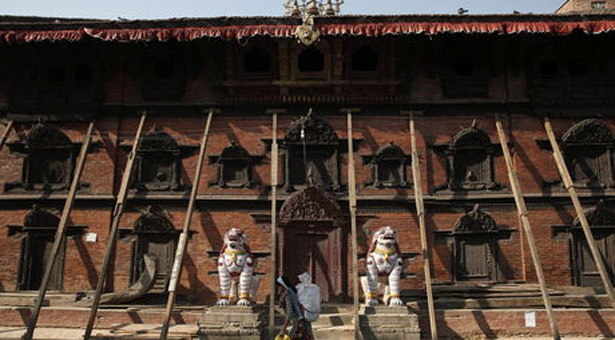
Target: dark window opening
{"points": [[257, 61], [49, 167], [84, 73], [471, 167], [578, 67], [463, 66], [311, 60], [56, 74], [235, 172], [365, 59], [164, 69], [548, 68], [607, 68]]}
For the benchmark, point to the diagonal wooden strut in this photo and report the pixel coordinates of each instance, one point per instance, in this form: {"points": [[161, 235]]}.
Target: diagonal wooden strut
{"points": [[569, 185], [183, 238], [60, 233], [525, 220], [352, 200], [274, 220], [5, 134], [420, 211], [117, 214]]}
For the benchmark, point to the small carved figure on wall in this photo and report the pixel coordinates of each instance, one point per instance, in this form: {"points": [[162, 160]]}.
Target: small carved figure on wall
{"points": [[236, 261], [383, 259]]}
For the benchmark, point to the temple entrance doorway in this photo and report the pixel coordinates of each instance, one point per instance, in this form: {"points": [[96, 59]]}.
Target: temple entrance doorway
{"points": [[313, 240]]}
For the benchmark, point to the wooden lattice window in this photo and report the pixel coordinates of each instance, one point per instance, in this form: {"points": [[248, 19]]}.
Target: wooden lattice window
{"points": [[588, 149], [602, 222], [48, 159], [470, 160], [389, 167], [158, 163], [163, 75], [311, 148], [475, 247], [234, 167]]}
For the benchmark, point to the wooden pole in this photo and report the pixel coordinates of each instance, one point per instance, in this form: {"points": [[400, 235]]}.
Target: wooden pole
{"points": [[60, 233], [274, 220], [183, 238], [420, 210], [5, 134], [525, 220], [352, 200], [117, 214], [569, 185]]}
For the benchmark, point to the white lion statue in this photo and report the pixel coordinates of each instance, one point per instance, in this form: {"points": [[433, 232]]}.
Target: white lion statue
{"points": [[383, 259], [235, 260]]}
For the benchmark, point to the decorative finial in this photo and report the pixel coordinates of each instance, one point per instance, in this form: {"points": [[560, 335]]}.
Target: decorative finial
{"points": [[474, 124], [312, 7]]}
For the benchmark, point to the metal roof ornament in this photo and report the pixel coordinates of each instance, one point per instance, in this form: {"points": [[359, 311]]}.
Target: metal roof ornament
{"points": [[306, 33], [297, 9]]}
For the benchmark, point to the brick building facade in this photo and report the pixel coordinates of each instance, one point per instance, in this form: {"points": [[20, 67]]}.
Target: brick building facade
{"points": [[454, 72]]}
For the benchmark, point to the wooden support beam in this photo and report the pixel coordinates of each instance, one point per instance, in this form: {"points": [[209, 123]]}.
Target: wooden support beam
{"points": [[5, 133], [420, 211], [525, 220], [569, 185], [273, 245], [117, 214], [60, 233], [352, 200], [183, 238]]}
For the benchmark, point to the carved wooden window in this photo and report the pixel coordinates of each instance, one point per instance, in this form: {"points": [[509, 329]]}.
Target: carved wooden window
{"points": [[475, 247], [158, 163], [312, 150], [311, 62], [163, 75], [157, 237], [364, 61], [39, 229], [49, 159], [470, 161], [234, 167], [68, 80], [389, 167], [465, 72], [256, 62], [602, 222], [588, 151]]}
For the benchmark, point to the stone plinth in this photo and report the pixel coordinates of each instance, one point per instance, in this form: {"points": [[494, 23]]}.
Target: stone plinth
{"points": [[389, 323], [232, 322]]}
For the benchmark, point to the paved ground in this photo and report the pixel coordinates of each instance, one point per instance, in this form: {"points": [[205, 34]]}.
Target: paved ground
{"points": [[135, 331]]}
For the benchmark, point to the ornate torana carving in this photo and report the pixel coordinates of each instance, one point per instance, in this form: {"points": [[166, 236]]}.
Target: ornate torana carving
{"points": [[589, 131], [475, 221], [45, 136], [599, 215], [390, 152], [153, 218], [158, 141], [471, 137], [311, 204], [234, 152], [39, 218], [311, 130]]}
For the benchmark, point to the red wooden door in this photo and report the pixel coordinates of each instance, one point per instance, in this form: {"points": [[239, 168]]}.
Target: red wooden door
{"points": [[317, 251]]}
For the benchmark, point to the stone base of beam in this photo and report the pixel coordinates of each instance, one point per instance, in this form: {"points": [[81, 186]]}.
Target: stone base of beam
{"points": [[232, 322], [389, 323]]}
